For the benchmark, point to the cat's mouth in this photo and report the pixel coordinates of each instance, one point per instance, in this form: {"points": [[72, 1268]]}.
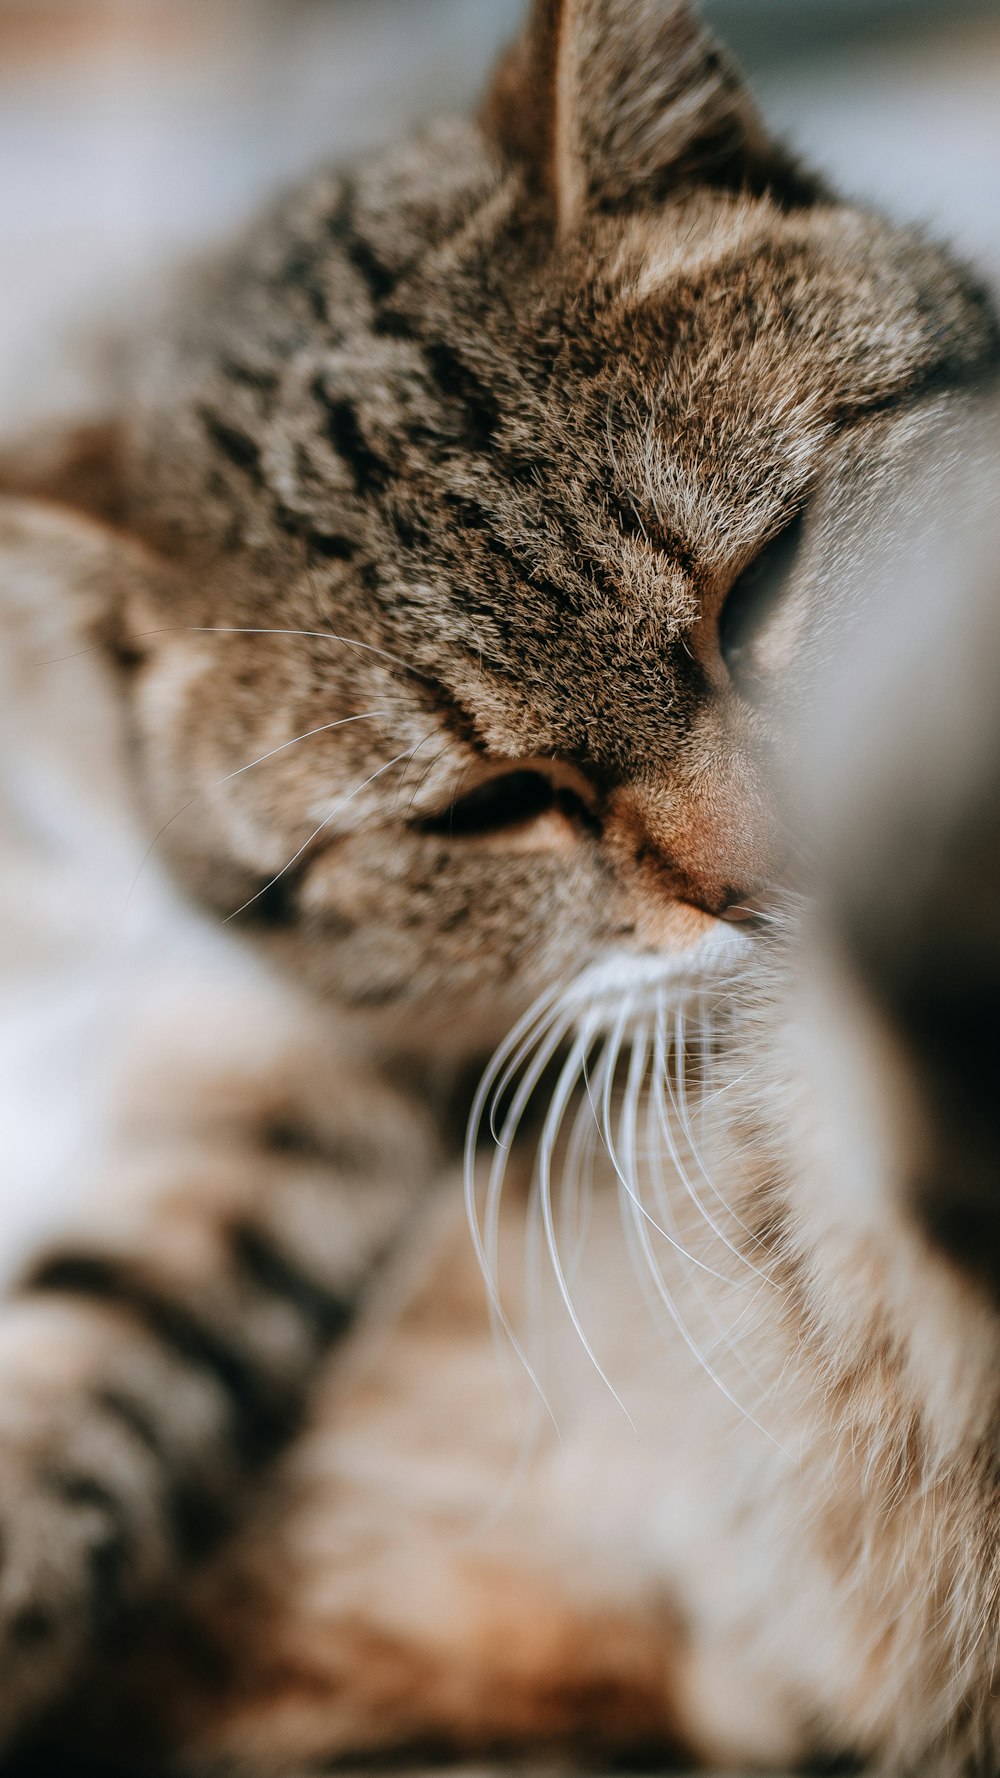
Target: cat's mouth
{"points": [[644, 979], [621, 1058]]}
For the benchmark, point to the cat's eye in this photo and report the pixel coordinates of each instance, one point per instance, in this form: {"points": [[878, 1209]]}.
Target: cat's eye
{"points": [[505, 801], [747, 639]]}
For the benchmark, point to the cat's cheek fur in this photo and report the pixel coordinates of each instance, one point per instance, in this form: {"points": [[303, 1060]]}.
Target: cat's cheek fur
{"points": [[428, 933], [447, 936]]}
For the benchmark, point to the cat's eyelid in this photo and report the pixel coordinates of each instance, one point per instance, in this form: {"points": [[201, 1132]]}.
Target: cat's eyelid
{"points": [[508, 793], [791, 517], [760, 620]]}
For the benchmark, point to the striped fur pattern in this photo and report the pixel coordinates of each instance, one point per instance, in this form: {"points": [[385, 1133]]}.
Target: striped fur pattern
{"points": [[416, 569]]}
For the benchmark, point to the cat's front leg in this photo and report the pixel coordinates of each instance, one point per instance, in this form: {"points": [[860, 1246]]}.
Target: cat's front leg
{"points": [[154, 1358]]}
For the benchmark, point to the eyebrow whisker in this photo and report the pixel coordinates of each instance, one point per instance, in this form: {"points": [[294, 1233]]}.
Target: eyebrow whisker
{"points": [[407, 753], [322, 729]]}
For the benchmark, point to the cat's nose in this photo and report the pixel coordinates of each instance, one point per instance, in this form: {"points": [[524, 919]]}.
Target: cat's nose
{"points": [[743, 910], [756, 906], [740, 904], [720, 859]]}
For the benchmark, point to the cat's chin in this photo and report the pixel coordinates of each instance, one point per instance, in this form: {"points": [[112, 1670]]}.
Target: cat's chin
{"points": [[631, 983]]}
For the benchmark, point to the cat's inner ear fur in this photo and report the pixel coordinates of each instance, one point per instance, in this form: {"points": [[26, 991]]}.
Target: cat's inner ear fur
{"points": [[611, 105]]}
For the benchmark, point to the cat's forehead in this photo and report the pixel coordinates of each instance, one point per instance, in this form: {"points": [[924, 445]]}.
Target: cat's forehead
{"points": [[720, 285], [713, 352]]}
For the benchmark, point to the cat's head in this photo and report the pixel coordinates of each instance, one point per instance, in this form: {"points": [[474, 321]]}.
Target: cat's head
{"points": [[519, 455]]}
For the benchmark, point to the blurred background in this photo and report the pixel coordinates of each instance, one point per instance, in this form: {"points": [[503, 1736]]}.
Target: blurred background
{"points": [[133, 131]]}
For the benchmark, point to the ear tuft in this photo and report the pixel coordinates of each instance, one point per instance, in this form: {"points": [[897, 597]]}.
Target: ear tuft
{"points": [[613, 104]]}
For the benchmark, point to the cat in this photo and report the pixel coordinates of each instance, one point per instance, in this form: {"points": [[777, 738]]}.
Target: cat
{"points": [[444, 572]]}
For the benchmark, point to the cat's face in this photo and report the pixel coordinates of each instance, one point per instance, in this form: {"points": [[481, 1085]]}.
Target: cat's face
{"points": [[520, 456]]}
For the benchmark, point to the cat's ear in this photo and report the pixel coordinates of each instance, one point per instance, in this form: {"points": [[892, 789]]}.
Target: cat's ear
{"points": [[78, 465], [613, 104], [64, 503]]}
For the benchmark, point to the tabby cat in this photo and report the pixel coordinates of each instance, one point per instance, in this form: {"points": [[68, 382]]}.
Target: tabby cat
{"points": [[437, 595]]}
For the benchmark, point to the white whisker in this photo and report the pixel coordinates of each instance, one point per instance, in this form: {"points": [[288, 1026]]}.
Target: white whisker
{"points": [[659, 1131], [484, 1093], [324, 728], [678, 1097], [511, 1054], [384, 654], [725, 1336], [333, 813], [661, 1075], [643, 1264], [605, 1123], [435, 760], [642, 1223], [562, 1093], [527, 1034], [547, 1045], [577, 1180], [254, 630]]}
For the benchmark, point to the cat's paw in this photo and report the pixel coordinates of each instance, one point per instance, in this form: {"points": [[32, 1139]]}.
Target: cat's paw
{"points": [[64, 1550], [81, 1536]]}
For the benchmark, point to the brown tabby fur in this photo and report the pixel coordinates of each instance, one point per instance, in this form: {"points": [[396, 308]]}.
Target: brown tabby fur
{"points": [[448, 469]]}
